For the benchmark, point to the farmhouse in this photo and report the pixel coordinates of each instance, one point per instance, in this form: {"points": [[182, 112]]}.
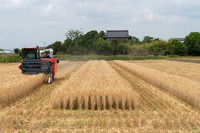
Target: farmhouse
{"points": [[116, 34]]}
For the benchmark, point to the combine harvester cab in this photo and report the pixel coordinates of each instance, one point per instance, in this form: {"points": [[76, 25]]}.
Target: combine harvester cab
{"points": [[36, 61]]}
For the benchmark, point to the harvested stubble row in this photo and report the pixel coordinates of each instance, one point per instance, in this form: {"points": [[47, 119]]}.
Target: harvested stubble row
{"points": [[184, 69], [15, 85], [179, 86], [95, 86]]}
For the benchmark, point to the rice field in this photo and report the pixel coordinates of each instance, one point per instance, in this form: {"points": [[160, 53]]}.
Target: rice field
{"points": [[95, 97], [14, 85]]}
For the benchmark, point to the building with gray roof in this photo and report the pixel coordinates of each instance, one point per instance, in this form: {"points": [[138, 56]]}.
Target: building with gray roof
{"points": [[116, 34]]}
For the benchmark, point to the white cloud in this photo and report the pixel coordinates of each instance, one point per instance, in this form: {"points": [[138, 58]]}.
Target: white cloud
{"points": [[48, 9], [15, 2]]}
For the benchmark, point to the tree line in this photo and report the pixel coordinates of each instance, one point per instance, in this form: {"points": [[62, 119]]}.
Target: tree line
{"points": [[151, 46], [78, 43]]}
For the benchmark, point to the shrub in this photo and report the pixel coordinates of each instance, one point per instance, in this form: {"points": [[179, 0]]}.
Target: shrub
{"points": [[102, 47], [175, 47], [139, 50], [123, 48], [157, 47]]}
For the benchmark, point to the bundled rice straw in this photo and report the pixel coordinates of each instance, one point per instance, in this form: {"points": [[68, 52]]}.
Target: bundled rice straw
{"points": [[181, 87], [95, 86]]}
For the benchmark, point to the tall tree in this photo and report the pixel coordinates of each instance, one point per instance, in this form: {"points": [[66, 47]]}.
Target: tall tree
{"points": [[16, 50], [156, 39], [101, 34], [134, 40], [88, 40], [72, 34], [147, 39], [56, 46], [103, 47], [192, 42], [114, 44], [177, 48], [67, 45], [123, 48]]}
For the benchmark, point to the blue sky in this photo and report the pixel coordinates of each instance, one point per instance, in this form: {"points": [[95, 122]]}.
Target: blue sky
{"points": [[31, 22]]}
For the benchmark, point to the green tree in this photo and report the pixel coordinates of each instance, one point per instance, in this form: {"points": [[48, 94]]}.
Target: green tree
{"points": [[72, 34], [78, 50], [101, 34], [192, 42], [16, 50], [157, 47], [56, 46], [123, 48], [181, 49], [67, 45], [88, 40], [134, 40], [114, 44], [124, 41], [156, 39], [103, 47], [1, 49], [147, 39], [177, 48], [139, 50], [91, 35]]}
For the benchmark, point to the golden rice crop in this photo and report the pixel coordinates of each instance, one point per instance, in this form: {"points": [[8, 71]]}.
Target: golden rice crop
{"points": [[95, 86], [15, 85], [183, 88]]}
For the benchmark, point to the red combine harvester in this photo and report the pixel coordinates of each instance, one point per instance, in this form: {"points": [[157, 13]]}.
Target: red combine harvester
{"points": [[35, 61]]}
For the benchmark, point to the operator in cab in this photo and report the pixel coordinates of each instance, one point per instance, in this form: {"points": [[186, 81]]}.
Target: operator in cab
{"points": [[31, 55]]}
